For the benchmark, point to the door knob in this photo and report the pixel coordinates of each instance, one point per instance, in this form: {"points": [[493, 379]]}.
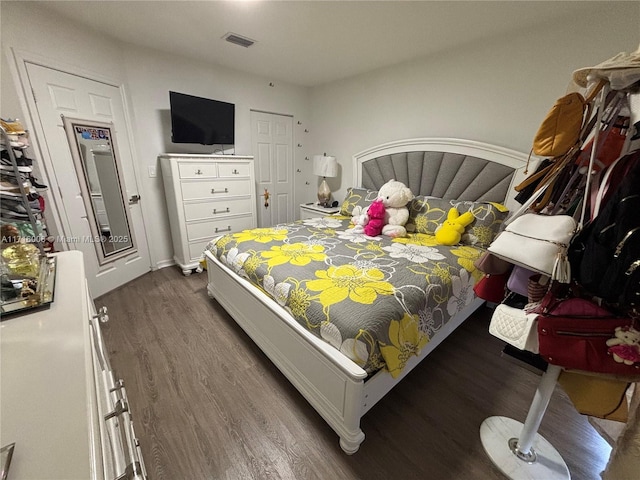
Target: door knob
{"points": [[134, 199]]}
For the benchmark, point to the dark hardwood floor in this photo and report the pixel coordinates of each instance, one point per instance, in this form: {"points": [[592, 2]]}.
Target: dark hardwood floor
{"points": [[208, 404]]}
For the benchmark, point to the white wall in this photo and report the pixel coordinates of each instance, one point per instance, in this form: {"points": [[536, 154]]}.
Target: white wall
{"points": [[148, 76], [496, 91]]}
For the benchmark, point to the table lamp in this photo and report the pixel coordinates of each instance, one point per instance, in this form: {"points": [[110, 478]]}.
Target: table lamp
{"points": [[324, 166]]}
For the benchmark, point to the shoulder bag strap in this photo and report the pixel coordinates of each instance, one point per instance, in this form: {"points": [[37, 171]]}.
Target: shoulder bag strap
{"points": [[596, 90], [600, 180], [599, 105], [533, 177], [544, 184]]}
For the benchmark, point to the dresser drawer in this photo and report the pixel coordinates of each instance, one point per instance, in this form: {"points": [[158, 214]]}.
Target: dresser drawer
{"points": [[234, 170], [220, 208], [215, 189], [208, 230], [196, 250], [197, 170]]}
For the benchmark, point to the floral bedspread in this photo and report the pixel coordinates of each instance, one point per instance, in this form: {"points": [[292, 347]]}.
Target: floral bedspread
{"points": [[376, 299]]}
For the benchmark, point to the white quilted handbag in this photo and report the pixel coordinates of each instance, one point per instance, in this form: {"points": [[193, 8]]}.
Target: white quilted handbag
{"points": [[515, 327]]}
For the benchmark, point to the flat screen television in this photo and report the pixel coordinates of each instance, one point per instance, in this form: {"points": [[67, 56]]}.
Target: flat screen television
{"points": [[201, 120]]}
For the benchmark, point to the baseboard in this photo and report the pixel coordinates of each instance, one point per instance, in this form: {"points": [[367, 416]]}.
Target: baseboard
{"points": [[163, 264]]}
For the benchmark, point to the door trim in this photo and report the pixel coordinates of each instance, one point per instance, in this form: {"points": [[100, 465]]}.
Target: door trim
{"points": [[271, 113], [17, 64]]}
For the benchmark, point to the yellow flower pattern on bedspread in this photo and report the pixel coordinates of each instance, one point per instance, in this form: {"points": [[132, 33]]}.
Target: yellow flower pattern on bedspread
{"points": [[338, 283], [296, 254], [406, 340], [378, 300]]}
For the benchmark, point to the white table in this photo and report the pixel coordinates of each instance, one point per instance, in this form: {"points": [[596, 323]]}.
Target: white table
{"points": [[313, 210]]}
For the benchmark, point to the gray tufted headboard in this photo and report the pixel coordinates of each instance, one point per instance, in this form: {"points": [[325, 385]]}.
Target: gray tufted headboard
{"points": [[444, 167]]}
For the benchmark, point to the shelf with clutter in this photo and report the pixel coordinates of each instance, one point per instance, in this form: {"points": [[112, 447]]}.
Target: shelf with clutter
{"points": [[27, 272]]}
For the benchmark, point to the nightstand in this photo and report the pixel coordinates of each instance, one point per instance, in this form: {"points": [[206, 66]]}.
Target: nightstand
{"points": [[313, 210]]}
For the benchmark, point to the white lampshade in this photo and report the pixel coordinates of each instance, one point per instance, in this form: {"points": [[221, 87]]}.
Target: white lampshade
{"points": [[325, 166]]}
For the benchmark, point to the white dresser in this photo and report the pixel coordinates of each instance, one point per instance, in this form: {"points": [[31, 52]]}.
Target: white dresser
{"points": [[60, 402], [207, 195]]}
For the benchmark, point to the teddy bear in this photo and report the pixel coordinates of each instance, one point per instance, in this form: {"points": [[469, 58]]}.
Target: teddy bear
{"points": [[451, 230], [395, 196], [359, 218], [375, 212], [625, 346]]}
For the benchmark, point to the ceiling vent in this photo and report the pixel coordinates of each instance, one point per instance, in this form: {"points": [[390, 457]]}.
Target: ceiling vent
{"points": [[238, 40]]}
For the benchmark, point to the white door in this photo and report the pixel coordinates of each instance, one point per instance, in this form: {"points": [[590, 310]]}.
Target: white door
{"points": [[272, 139], [58, 93]]}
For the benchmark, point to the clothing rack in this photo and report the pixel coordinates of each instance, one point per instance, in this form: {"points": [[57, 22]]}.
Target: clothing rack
{"points": [[516, 448]]}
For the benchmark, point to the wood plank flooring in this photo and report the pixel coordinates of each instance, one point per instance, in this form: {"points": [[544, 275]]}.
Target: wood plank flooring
{"points": [[208, 404]]}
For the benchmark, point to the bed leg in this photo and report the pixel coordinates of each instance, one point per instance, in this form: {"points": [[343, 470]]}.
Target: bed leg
{"points": [[351, 444]]}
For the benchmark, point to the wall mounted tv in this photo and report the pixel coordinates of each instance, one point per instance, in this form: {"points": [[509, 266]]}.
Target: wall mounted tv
{"points": [[201, 120]]}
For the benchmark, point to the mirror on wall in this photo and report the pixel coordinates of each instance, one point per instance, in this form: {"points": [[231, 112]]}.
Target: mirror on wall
{"points": [[94, 152]]}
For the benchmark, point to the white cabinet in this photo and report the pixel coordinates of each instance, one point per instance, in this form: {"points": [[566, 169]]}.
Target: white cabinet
{"points": [[60, 401], [207, 195]]}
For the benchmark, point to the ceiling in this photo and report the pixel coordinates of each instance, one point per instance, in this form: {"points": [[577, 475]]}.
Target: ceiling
{"points": [[309, 43]]}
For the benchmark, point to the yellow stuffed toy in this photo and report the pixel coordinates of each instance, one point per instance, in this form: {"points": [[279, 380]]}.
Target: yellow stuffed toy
{"points": [[451, 230]]}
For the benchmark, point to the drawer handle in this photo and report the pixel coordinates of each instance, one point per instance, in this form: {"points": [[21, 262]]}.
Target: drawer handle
{"points": [[99, 347], [213, 190], [102, 315], [235, 172], [228, 229], [215, 210], [119, 385], [121, 407], [198, 172]]}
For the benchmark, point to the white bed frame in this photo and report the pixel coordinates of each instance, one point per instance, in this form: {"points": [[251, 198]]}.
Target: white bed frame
{"points": [[333, 384]]}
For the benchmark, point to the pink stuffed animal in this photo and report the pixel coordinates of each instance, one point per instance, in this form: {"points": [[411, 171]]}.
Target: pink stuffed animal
{"points": [[376, 211], [625, 346]]}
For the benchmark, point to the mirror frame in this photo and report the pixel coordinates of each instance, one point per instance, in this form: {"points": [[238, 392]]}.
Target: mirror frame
{"points": [[70, 125]]}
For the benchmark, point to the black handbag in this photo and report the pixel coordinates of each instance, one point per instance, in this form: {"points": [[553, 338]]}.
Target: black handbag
{"points": [[605, 254]]}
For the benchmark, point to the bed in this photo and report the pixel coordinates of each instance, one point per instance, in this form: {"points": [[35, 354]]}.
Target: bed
{"points": [[344, 368]]}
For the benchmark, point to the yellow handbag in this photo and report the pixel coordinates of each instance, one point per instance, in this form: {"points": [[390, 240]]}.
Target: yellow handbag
{"points": [[561, 128], [597, 396]]}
